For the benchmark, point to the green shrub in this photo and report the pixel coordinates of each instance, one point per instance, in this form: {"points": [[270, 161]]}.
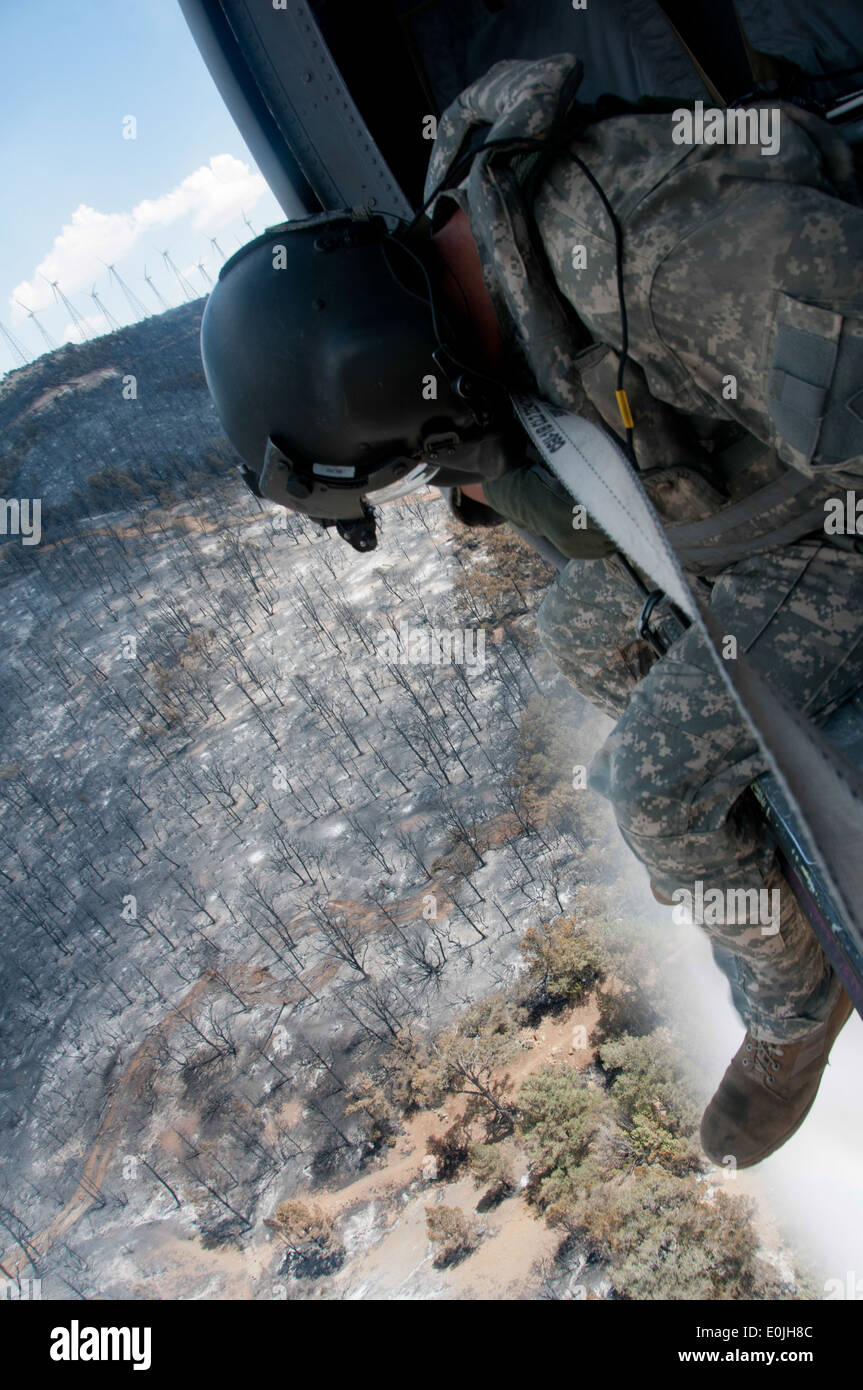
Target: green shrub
{"points": [[664, 1239], [452, 1234], [652, 1084], [564, 962], [564, 1120], [492, 1167]]}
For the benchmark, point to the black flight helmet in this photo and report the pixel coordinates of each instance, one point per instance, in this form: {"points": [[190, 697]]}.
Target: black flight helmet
{"points": [[333, 369]]}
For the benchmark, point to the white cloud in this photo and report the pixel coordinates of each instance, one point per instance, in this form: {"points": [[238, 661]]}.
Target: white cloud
{"points": [[209, 198]]}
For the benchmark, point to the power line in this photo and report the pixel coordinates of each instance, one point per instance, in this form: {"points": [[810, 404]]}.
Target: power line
{"points": [[187, 289], [134, 302], [45, 335], [109, 317], [149, 281], [14, 345], [60, 297]]}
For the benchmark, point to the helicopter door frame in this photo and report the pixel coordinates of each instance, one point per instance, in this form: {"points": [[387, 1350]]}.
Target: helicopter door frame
{"points": [[277, 77]]}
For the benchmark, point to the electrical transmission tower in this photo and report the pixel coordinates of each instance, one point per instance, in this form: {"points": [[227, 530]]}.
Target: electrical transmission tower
{"points": [[109, 317], [46, 337], [149, 281], [188, 292], [14, 345], [132, 299], [61, 298]]}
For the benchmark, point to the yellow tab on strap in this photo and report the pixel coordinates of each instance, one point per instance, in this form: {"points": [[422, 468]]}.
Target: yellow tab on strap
{"points": [[623, 407]]}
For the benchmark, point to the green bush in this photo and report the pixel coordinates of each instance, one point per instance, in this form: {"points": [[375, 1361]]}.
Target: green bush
{"points": [[663, 1238], [564, 962], [492, 1167], [653, 1085], [452, 1234], [566, 1123]]}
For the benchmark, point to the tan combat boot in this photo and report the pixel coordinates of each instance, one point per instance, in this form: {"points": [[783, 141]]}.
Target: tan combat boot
{"points": [[767, 1092]]}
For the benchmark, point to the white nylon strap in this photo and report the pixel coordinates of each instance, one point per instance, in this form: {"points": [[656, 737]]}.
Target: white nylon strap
{"points": [[824, 790]]}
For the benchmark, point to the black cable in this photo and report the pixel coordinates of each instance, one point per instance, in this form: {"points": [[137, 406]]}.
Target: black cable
{"points": [[526, 144], [444, 344], [549, 147]]}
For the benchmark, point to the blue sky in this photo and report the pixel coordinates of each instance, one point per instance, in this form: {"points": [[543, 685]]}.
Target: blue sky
{"points": [[76, 190]]}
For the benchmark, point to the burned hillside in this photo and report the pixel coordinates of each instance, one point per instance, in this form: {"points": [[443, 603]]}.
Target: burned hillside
{"points": [[242, 849]]}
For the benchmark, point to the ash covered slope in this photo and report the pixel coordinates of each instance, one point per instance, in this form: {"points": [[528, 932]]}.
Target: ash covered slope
{"points": [[74, 435], [243, 849]]}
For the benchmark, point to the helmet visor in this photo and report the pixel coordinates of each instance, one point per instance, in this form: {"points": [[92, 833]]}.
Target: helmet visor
{"points": [[418, 477]]}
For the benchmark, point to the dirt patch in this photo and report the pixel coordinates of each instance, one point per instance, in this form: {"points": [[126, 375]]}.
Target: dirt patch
{"points": [[288, 1117], [88, 382], [502, 1265], [395, 1258]]}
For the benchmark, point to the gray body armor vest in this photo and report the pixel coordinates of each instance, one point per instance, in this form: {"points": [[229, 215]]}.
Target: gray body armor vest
{"points": [[729, 474]]}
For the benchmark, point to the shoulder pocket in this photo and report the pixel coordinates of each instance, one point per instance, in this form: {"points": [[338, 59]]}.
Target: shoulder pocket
{"points": [[815, 386]]}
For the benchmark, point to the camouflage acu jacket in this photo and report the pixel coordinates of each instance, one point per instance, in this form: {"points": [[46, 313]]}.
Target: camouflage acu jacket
{"points": [[743, 280]]}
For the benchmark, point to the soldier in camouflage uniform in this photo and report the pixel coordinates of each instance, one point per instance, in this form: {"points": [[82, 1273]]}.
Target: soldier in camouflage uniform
{"points": [[743, 281]]}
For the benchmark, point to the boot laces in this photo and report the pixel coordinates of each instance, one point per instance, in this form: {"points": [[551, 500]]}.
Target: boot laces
{"points": [[764, 1058]]}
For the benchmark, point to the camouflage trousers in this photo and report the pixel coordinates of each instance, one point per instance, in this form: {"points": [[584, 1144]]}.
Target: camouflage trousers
{"points": [[677, 765]]}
